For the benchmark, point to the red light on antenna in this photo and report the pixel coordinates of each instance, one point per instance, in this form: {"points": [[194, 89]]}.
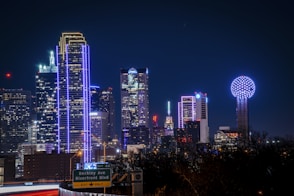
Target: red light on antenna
{"points": [[155, 118]]}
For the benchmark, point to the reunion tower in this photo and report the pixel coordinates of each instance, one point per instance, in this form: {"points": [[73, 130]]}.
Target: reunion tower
{"points": [[242, 88]]}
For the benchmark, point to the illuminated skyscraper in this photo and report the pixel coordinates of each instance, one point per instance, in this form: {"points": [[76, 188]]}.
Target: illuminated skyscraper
{"points": [[186, 110], [194, 108], [102, 101], [15, 119], [46, 107], [134, 106], [102, 116], [107, 104], [242, 88], [202, 116], [169, 124], [73, 84], [134, 97], [98, 130], [95, 93]]}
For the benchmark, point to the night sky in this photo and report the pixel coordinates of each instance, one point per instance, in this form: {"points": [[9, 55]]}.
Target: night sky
{"points": [[188, 46]]}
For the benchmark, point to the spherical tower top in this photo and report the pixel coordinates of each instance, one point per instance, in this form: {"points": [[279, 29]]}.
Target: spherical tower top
{"points": [[243, 87]]}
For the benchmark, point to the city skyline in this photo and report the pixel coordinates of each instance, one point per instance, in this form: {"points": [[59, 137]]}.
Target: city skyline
{"points": [[187, 46]]}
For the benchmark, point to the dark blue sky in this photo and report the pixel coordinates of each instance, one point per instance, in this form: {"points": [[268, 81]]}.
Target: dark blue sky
{"points": [[187, 45]]}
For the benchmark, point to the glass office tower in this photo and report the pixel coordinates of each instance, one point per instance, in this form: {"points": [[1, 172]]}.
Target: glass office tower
{"points": [[46, 83], [103, 102], [134, 106], [73, 84], [202, 115], [194, 108], [186, 110], [15, 119], [134, 97]]}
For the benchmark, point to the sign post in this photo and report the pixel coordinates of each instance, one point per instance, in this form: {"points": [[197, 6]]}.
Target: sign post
{"points": [[93, 178]]}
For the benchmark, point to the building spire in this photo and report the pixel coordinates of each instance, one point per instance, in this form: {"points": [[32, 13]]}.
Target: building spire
{"points": [[168, 108], [52, 65]]}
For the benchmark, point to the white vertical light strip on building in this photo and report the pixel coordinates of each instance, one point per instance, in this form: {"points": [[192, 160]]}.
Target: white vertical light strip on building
{"points": [[58, 103]]}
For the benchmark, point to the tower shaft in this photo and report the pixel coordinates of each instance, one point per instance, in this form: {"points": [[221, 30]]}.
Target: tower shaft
{"points": [[242, 117]]}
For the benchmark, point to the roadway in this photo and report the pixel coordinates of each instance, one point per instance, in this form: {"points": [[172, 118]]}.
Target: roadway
{"points": [[22, 189], [37, 193]]}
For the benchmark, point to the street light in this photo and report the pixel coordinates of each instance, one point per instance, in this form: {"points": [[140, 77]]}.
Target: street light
{"points": [[79, 154], [104, 150]]}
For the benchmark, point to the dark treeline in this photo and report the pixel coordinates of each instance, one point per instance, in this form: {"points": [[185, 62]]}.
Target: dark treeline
{"points": [[263, 170]]}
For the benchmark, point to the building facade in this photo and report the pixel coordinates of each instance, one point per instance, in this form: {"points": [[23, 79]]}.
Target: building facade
{"points": [[107, 105], [134, 97], [15, 119], [73, 94], [202, 116], [226, 139], [46, 103], [103, 105], [168, 123], [186, 110], [98, 129], [195, 108], [135, 103]]}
